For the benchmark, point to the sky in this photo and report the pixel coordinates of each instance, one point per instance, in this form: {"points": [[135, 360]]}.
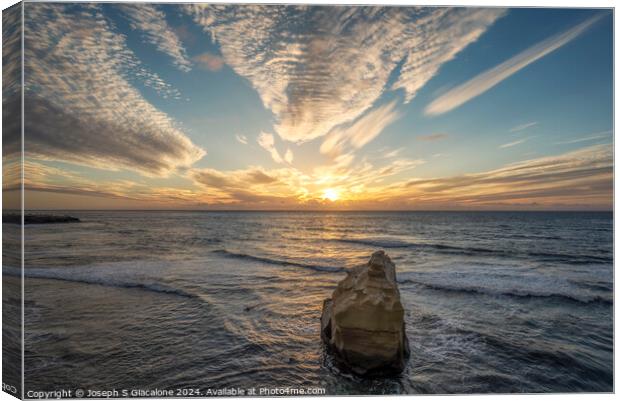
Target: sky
{"points": [[222, 107]]}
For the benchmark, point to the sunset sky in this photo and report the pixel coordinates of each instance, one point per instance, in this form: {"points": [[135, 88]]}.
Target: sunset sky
{"points": [[291, 107]]}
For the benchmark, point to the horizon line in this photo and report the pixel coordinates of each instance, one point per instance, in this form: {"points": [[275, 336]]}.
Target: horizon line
{"points": [[314, 210]]}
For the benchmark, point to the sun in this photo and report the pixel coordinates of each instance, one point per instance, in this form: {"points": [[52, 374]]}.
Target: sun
{"points": [[331, 194]]}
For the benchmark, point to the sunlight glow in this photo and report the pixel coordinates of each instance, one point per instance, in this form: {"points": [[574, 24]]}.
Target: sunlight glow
{"points": [[331, 194]]}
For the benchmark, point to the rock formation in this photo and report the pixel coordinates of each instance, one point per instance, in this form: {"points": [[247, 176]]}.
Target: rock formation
{"points": [[38, 219], [363, 322]]}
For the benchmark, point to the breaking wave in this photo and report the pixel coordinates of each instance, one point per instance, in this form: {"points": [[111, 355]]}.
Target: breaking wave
{"points": [[261, 259], [90, 275], [508, 288], [476, 251]]}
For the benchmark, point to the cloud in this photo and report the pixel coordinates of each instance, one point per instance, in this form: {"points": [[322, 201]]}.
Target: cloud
{"points": [[432, 137], [47, 179], [523, 126], [42, 176], [258, 176], [511, 144], [393, 153], [11, 80], [288, 156], [11, 50], [583, 177], [362, 131], [80, 105], [236, 179], [149, 19], [208, 61], [184, 34], [587, 138], [289, 187], [267, 142], [321, 67], [241, 139], [488, 79], [356, 180], [251, 187]]}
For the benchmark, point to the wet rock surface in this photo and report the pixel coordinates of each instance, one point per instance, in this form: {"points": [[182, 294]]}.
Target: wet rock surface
{"points": [[363, 322]]}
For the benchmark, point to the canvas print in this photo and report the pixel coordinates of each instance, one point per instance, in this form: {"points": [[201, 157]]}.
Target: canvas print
{"points": [[281, 200]]}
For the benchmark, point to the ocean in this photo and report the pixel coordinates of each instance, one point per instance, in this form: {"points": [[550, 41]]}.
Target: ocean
{"points": [[496, 302]]}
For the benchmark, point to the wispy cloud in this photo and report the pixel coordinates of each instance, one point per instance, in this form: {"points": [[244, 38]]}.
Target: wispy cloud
{"points": [[11, 51], [208, 61], [432, 137], [241, 139], [44, 178], [523, 127], [511, 144], [149, 19], [288, 156], [253, 186], [267, 142], [583, 178], [237, 179], [393, 153], [11, 83], [289, 187], [81, 105], [361, 132], [488, 79], [318, 68], [587, 138]]}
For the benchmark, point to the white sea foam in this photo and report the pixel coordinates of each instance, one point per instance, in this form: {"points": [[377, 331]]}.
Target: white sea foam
{"points": [[501, 281], [111, 276]]}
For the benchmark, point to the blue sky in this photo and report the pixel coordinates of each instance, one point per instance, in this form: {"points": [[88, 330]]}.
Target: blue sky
{"points": [[260, 107]]}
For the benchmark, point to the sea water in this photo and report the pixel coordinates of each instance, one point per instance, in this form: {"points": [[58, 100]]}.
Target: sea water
{"points": [[495, 301]]}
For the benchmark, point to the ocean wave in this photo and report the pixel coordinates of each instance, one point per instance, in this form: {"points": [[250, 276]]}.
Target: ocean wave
{"points": [[530, 353], [476, 251], [594, 285], [89, 275], [381, 243], [510, 292], [243, 256]]}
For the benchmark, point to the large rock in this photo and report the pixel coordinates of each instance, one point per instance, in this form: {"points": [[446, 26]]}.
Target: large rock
{"points": [[363, 323]]}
